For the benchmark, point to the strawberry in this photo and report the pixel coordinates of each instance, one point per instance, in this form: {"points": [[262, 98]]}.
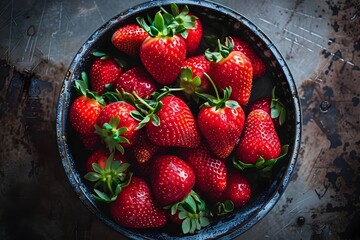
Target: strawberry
{"points": [[187, 25], [135, 208], [86, 108], [172, 179], [162, 53], [108, 173], [177, 126], [129, 38], [144, 149], [258, 65], [192, 76], [238, 189], [90, 141], [231, 69], [104, 71], [100, 156], [210, 171], [116, 126], [136, 79], [259, 140], [273, 106], [221, 122]]}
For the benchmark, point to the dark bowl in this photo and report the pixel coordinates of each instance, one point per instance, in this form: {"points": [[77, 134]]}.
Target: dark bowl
{"points": [[266, 191]]}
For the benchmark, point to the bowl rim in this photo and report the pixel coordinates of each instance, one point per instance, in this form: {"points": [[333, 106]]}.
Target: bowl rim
{"points": [[64, 103]]}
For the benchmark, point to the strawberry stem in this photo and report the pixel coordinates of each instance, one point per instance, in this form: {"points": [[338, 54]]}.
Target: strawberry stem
{"points": [[213, 85]]}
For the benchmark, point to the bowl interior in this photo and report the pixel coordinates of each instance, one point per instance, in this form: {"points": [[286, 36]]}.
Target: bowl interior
{"points": [[215, 18]]}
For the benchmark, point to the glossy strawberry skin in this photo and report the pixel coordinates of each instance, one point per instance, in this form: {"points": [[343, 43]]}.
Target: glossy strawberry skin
{"points": [[90, 141], [136, 79], [258, 65], [198, 65], [210, 171], [238, 189], [122, 110], [259, 138], [163, 57], [221, 128], [144, 149], [172, 179], [234, 71], [100, 156], [193, 39], [129, 38], [103, 72], [264, 104], [177, 127], [135, 208], [83, 114]]}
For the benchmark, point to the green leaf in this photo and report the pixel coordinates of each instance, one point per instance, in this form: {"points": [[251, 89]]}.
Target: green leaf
{"points": [[232, 104], [189, 204], [159, 21], [99, 54], [92, 176], [259, 162], [204, 221], [186, 224], [102, 196], [282, 117], [174, 9], [155, 120], [97, 168], [108, 162], [182, 215], [274, 113]]}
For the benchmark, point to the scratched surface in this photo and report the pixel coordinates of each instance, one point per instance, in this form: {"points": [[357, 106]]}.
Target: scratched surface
{"points": [[321, 43]]}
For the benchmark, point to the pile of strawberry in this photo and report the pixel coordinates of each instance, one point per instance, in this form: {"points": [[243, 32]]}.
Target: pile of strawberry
{"points": [[169, 136]]}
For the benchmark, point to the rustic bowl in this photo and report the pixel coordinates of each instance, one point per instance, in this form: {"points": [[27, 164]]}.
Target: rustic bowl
{"points": [[266, 191]]}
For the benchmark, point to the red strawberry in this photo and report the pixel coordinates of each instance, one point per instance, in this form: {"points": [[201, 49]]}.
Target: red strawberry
{"points": [[135, 208], [144, 149], [116, 126], [91, 140], [259, 139], [177, 126], [187, 25], [273, 106], [136, 79], [210, 171], [221, 122], [197, 65], [238, 189], [83, 114], [85, 109], [104, 72], [231, 69], [129, 38], [258, 65], [162, 53], [172, 179], [100, 156], [194, 37]]}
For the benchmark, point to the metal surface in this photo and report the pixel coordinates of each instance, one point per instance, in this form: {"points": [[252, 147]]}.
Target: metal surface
{"points": [[320, 41]]}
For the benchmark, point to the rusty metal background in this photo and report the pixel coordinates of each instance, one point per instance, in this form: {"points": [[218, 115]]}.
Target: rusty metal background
{"points": [[321, 42]]}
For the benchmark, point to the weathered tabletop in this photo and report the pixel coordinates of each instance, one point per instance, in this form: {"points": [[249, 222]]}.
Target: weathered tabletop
{"points": [[321, 43]]}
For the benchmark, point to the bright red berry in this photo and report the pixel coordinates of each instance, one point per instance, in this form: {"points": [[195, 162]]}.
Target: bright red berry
{"points": [[129, 38]]}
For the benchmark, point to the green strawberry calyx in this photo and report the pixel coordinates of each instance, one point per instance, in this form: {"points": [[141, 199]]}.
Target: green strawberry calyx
{"points": [[157, 27], [82, 88], [217, 101], [181, 22], [222, 52], [225, 207], [188, 82], [261, 164], [110, 134], [277, 108], [110, 180], [192, 211]]}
